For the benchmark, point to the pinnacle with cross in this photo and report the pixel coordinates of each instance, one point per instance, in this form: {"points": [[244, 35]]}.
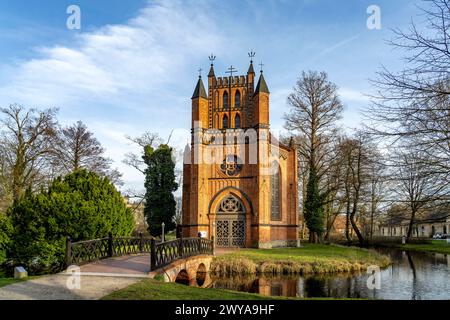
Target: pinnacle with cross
{"points": [[261, 65], [231, 70]]}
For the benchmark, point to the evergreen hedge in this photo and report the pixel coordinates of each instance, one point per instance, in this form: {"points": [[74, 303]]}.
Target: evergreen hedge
{"points": [[80, 205]]}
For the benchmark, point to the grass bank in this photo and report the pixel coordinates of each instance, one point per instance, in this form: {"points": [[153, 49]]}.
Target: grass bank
{"points": [[435, 246], [150, 289], [8, 281], [309, 259]]}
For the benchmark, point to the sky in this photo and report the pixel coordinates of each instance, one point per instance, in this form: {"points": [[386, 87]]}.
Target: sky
{"points": [[133, 65]]}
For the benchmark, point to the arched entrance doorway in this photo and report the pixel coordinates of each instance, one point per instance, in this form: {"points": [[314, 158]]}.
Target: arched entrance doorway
{"points": [[230, 222]]}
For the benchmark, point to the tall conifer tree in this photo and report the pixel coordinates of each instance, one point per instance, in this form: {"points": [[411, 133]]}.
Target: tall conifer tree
{"points": [[160, 204]]}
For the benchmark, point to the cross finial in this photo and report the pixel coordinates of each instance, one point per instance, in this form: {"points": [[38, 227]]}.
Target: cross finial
{"points": [[200, 72], [211, 58], [251, 55], [231, 70], [261, 65]]}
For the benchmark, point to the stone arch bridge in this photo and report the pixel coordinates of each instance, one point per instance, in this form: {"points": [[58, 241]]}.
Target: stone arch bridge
{"points": [[183, 260], [192, 271]]}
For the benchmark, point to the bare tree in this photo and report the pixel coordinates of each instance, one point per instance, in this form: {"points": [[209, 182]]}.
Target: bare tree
{"points": [[427, 58], [76, 148], [136, 161], [413, 183], [355, 157], [362, 184], [377, 188], [411, 106], [146, 139], [315, 108], [334, 180], [5, 185], [26, 142]]}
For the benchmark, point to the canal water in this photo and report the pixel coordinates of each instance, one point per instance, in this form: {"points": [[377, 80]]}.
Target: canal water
{"points": [[412, 276]]}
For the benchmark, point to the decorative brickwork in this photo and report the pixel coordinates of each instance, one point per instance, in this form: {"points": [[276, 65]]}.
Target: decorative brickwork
{"points": [[228, 181]]}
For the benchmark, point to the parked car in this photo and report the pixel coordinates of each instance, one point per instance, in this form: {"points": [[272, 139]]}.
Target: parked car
{"points": [[439, 236]]}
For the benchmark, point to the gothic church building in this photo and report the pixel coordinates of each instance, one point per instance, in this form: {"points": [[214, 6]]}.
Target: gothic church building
{"points": [[239, 182]]}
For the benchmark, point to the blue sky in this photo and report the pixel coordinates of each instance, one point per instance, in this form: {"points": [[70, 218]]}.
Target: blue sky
{"points": [[133, 65]]}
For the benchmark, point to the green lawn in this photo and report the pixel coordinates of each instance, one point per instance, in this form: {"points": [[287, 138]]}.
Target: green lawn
{"points": [[150, 289], [310, 258], [8, 281], [437, 246], [307, 259]]}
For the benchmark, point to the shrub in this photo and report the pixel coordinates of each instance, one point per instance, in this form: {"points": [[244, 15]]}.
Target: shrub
{"points": [[6, 230], [81, 205]]}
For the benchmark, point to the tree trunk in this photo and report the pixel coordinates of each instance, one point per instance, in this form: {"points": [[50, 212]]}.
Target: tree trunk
{"points": [[327, 235], [355, 227], [411, 224], [347, 217], [372, 215], [352, 217]]}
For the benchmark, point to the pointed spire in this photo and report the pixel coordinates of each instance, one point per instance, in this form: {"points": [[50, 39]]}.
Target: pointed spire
{"points": [[199, 91], [250, 68], [187, 154], [211, 71], [262, 85], [251, 55]]}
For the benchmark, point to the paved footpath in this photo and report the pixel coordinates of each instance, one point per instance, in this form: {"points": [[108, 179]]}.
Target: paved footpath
{"points": [[96, 280]]}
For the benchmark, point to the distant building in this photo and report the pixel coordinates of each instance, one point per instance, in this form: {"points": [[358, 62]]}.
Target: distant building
{"points": [[338, 228], [137, 208], [426, 225]]}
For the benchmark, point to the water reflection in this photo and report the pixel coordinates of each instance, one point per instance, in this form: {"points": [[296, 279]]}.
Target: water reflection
{"points": [[412, 276]]}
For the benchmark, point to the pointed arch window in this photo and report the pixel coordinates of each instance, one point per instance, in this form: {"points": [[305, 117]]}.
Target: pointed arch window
{"points": [[237, 121], [237, 99], [225, 100], [275, 180], [216, 121], [225, 122]]}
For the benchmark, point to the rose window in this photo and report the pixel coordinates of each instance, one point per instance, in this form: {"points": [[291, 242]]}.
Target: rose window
{"points": [[231, 165]]}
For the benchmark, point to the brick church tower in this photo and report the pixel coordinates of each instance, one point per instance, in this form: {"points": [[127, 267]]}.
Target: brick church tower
{"points": [[239, 182]]}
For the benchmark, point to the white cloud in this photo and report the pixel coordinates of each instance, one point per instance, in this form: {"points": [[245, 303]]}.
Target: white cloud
{"points": [[116, 61], [119, 67]]}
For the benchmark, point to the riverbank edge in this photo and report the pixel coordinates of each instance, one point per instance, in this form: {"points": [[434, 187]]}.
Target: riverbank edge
{"points": [[151, 289], [425, 248], [240, 264]]}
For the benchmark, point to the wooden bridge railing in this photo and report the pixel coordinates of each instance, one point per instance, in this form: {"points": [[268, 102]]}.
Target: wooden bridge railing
{"points": [[161, 253]]}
